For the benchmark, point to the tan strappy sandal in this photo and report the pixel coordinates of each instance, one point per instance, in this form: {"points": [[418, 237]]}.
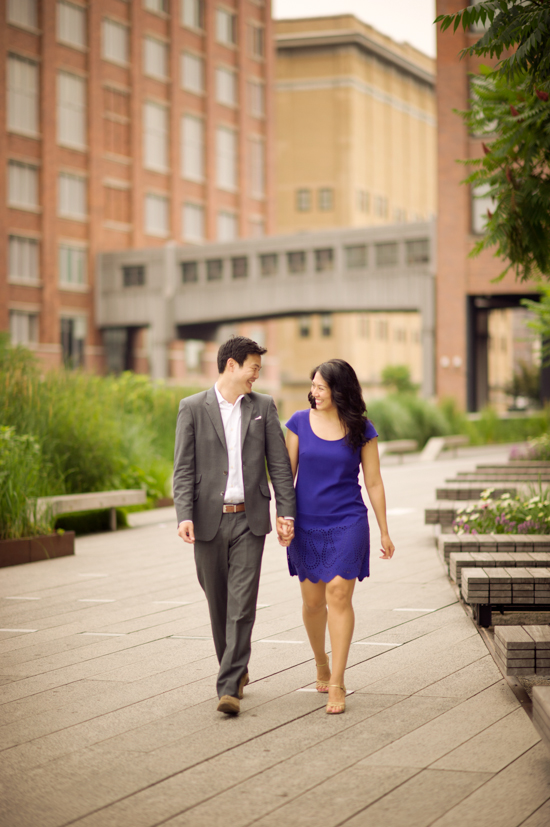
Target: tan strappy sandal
{"points": [[322, 686], [340, 706]]}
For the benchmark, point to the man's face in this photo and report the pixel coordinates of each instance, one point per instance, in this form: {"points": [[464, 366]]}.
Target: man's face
{"points": [[244, 376]]}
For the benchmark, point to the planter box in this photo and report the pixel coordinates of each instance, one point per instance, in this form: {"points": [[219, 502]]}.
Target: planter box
{"points": [[32, 549]]}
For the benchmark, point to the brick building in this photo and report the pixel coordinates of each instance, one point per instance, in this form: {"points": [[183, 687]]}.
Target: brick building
{"points": [[466, 293], [125, 124]]}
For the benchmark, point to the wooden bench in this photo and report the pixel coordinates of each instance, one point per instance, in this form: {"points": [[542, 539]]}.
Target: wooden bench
{"points": [[436, 444], [523, 650], [461, 491], [487, 559], [505, 589], [524, 543], [541, 712], [69, 503], [398, 446], [504, 475]]}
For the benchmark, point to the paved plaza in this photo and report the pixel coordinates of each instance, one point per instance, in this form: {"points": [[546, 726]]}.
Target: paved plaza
{"points": [[108, 707]]}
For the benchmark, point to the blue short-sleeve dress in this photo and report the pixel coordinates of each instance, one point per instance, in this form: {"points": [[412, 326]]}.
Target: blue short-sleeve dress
{"points": [[331, 526]]}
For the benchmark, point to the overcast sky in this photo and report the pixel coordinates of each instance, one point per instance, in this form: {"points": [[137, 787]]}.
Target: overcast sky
{"points": [[410, 20]]}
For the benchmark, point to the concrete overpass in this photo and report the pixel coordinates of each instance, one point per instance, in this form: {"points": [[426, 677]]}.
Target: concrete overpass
{"points": [[185, 292]]}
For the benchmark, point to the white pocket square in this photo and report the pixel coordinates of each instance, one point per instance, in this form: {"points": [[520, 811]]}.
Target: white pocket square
{"points": [[256, 418]]}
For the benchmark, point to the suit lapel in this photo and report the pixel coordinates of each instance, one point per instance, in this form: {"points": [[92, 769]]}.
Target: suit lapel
{"points": [[247, 408], [213, 410]]}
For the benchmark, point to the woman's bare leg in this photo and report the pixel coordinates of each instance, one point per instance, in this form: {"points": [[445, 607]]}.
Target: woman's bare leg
{"points": [[341, 622], [314, 613]]}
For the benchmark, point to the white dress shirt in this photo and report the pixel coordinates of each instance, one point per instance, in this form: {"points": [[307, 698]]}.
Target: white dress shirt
{"points": [[231, 418]]}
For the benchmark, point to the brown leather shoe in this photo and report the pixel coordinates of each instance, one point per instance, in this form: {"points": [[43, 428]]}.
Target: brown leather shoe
{"points": [[244, 681], [229, 705]]}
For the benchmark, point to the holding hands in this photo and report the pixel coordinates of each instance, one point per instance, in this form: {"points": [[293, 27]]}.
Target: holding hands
{"points": [[285, 531]]}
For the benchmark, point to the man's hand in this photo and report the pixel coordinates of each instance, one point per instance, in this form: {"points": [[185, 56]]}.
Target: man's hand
{"points": [[285, 531], [186, 531]]}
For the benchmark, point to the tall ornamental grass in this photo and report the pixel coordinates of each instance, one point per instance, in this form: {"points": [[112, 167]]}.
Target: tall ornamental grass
{"points": [[21, 482]]}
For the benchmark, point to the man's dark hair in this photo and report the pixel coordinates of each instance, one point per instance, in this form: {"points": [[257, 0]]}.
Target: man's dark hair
{"points": [[238, 348]]}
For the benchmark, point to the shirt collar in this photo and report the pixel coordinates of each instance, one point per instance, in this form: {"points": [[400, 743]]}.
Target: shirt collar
{"points": [[223, 401]]}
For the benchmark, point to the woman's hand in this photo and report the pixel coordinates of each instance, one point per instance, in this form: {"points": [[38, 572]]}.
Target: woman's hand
{"points": [[388, 547]]}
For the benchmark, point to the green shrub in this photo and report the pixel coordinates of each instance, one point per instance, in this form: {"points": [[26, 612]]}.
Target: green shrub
{"points": [[407, 416], [21, 482], [538, 449]]}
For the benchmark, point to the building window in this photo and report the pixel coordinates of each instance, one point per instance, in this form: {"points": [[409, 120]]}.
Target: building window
{"points": [[481, 204], [23, 13], [226, 27], [73, 336], [364, 326], [158, 6], [324, 259], [155, 136], [381, 329], [23, 327], [239, 267], [256, 98], [400, 334], [326, 325], [22, 95], [226, 86], [22, 185], [193, 222], [115, 41], [71, 110], [269, 264], [387, 254], [256, 159], [156, 215], [227, 226], [71, 24], [296, 261], [189, 272], [23, 259], [380, 206], [214, 269], [303, 200], [256, 41], [325, 199], [418, 251], [72, 265], [72, 196], [192, 13], [133, 275], [118, 204], [226, 159], [192, 148], [304, 327], [192, 73], [155, 58], [356, 256], [363, 201]]}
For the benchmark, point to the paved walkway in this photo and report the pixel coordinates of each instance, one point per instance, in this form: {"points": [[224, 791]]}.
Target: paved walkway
{"points": [[108, 711]]}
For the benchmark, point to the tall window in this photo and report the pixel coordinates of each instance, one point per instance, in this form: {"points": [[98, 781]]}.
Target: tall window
{"points": [[193, 222], [363, 200], [256, 41], [481, 203], [226, 159], [324, 259], [303, 200], [226, 27], [23, 13], [155, 136], [115, 41], [325, 199], [326, 325], [356, 256], [417, 250], [71, 24], [227, 226], [23, 259], [387, 254], [72, 196], [155, 58], [157, 6], [192, 13], [22, 95], [256, 98], [380, 206], [226, 87], [22, 185], [72, 265], [296, 261], [192, 73], [192, 148], [256, 155], [73, 337], [23, 327], [156, 215], [71, 110]]}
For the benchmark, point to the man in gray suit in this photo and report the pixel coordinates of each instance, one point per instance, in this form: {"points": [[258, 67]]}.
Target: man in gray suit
{"points": [[223, 438]]}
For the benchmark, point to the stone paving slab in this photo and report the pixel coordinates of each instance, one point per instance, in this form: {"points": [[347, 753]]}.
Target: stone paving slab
{"points": [[107, 711]]}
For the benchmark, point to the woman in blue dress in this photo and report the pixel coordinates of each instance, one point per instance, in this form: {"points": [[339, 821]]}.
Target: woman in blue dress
{"points": [[330, 549]]}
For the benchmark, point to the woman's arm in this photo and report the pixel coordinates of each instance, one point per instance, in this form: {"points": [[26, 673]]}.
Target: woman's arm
{"points": [[292, 444], [377, 496]]}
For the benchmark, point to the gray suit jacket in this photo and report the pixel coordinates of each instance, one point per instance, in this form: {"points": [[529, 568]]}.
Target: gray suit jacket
{"points": [[201, 465]]}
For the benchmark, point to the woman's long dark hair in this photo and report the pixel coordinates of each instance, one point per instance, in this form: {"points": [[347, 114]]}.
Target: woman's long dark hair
{"points": [[347, 396]]}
